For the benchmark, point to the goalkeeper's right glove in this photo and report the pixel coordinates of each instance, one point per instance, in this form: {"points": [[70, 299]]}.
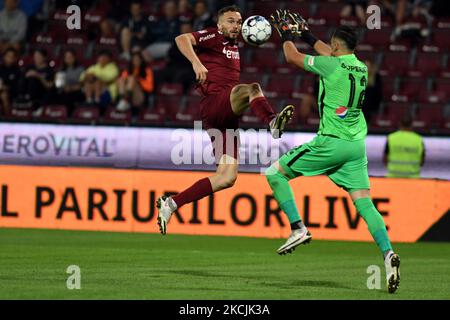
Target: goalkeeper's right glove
{"points": [[302, 29], [280, 22]]}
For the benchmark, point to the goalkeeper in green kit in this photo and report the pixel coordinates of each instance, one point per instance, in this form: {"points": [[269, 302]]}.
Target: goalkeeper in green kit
{"points": [[339, 149]]}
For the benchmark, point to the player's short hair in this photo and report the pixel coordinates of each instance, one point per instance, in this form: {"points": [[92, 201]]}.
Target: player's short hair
{"points": [[134, 2], [406, 121], [43, 52], [348, 35], [12, 50], [232, 8], [105, 52]]}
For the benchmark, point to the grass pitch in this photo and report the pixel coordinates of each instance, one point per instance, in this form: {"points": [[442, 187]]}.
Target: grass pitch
{"points": [[33, 265]]}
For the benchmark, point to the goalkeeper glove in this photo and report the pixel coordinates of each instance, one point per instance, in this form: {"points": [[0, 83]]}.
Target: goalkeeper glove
{"points": [[280, 22], [302, 29]]}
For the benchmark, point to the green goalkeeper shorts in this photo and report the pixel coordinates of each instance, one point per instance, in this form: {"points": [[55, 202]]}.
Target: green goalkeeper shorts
{"points": [[344, 162]]}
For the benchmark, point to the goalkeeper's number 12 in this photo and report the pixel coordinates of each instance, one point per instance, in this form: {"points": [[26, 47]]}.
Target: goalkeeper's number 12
{"points": [[353, 89]]}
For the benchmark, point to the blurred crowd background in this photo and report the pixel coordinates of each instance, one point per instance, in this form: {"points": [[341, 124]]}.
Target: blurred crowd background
{"points": [[123, 68]]}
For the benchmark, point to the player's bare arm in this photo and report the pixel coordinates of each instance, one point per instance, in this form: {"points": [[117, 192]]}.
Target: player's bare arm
{"points": [[322, 48], [185, 43], [292, 55]]}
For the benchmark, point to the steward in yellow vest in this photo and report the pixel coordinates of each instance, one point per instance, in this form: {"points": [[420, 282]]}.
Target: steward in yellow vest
{"points": [[404, 153]]}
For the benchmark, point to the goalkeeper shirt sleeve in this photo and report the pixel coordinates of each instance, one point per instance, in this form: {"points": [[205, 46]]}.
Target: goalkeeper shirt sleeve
{"points": [[321, 65]]}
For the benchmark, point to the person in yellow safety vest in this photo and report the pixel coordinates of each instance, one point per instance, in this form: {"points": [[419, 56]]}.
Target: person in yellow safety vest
{"points": [[404, 154]]}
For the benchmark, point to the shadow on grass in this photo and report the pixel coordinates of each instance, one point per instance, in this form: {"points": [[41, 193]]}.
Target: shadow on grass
{"points": [[289, 284], [313, 283]]}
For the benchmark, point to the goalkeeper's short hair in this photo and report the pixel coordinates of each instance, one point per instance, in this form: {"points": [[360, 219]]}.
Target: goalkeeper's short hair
{"points": [[348, 35]]}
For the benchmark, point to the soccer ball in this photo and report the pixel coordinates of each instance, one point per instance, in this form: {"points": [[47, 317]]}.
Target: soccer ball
{"points": [[256, 30]]}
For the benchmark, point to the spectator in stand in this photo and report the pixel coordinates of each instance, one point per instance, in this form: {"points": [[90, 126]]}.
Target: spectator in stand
{"points": [[10, 75], [202, 17], [374, 92], [356, 8], [135, 84], [178, 69], [108, 35], [99, 80], [164, 30], [413, 20], [68, 80], [39, 82], [309, 101], [13, 26], [29, 7], [185, 11], [136, 32]]}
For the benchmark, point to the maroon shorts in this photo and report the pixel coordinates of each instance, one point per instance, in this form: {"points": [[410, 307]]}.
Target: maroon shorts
{"points": [[217, 114]]}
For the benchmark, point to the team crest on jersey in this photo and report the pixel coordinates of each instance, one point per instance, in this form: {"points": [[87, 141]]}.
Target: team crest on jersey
{"points": [[341, 112]]}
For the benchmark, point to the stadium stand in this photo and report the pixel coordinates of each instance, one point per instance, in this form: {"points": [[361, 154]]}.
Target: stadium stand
{"points": [[412, 55]]}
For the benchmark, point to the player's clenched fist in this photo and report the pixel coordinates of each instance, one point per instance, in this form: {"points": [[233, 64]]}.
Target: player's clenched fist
{"points": [[200, 72]]}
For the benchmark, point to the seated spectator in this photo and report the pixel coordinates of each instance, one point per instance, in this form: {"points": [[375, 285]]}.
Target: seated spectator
{"points": [[68, 80], [13, 26], [136, 33], [178, 69], [164, 31], [185, 11], [107, 34], [10, 75], [309, 102], [202, 17], [29, 7], [355, 8], [135, 83], [38, 84], [99, 80], [413, 20], [374, 92]]}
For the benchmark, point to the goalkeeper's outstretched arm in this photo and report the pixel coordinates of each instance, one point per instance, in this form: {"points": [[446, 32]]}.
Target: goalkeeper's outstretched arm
{"points": [[292, 55], [322, 48]]}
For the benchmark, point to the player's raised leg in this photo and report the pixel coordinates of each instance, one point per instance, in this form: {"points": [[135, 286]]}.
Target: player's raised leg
{"points": [[244, 96], [225, 177], [282, 191], [377, 228]]}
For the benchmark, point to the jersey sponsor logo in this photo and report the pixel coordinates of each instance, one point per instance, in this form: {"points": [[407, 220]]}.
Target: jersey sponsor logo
{"points": [[311, 61], [341, 112], [231, 54], [209, 36], [203, 31]]}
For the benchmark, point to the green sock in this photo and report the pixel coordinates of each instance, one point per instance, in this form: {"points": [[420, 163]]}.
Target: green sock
{"points": [[282, 192], [375, 223]]}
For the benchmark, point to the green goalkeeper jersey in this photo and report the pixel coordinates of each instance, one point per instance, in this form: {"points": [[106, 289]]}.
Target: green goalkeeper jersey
{"points": [[343, 82]]}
